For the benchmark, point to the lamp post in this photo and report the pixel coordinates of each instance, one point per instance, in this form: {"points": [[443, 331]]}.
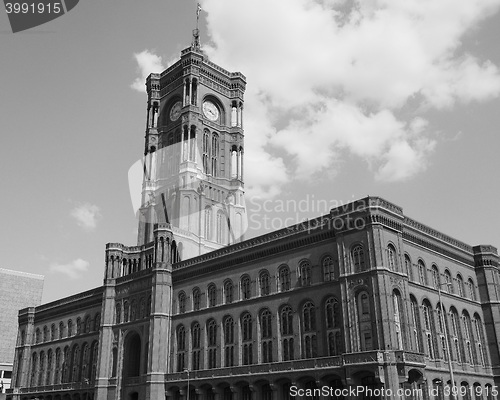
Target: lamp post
{"points": [[443, 322]]}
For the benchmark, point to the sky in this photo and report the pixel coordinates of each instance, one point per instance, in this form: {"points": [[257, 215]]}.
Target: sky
{"points": [[344, 99]]}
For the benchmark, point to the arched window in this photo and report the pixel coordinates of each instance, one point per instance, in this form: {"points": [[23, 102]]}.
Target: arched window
{"points": [[125, 311], [228, 292], [429, 329], [245, 287], [50, 366], [78, 326], [457, 347], [41, 370], [398, 318], [206, 152], [286, 324], [247, 336], [220, 227], [182, 303], [53, 332], [328, 272], [422, 276], [448, 281], [416, 326], [215, 153], [93, 360], [61, 330], [212, 343], [66, 361], [332, 318], [408, 267], [305, 273], [358, 258], [266, 335], [309, 329], [470, 354], [212, 295], [97, 322], [460, 285], [85, 363], [34, 369], [196, 299], [228, 323], [284, 278], [181, 348], [436, 279], [472, 289], [45, 334], [87, 324], [142, 308], [208, 223], [118, 313], [196, 343], [75, 364], [264, 283], [57, 366], [441, 329], [364, 321], [479, 337], [392, 258], [70, 328]]}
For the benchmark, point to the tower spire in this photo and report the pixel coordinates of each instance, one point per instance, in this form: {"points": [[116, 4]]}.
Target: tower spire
{"points": [[196, 32]]}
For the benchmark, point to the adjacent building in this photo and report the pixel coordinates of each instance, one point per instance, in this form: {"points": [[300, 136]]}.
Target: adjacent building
{"points": [[17, 290], [363, 301]]}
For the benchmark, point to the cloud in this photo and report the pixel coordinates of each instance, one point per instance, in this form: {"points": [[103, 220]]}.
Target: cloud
{"points": [[87, 215], [148, 63], [73, 269], [332, 78]]}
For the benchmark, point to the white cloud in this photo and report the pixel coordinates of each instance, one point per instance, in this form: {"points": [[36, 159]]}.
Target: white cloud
{"points": [[326, 78], [73, 269], [147, 63], [86, 215]]}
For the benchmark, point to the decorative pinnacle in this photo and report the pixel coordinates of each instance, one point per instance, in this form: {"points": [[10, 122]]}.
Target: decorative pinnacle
{"points": [[196, 32]]}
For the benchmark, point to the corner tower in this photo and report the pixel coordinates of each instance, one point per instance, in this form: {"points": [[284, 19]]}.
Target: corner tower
{"points": [[193, 165]]}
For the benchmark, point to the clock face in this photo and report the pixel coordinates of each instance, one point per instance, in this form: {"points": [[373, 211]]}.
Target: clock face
{"points": [[210, 110], [175, 111]]}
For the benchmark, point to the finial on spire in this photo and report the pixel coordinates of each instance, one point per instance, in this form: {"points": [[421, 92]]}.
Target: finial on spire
{"points": [[196, 32]]}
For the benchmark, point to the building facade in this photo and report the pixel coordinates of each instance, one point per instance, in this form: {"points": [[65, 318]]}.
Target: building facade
{"points": [[363, 301], [17, 290]]}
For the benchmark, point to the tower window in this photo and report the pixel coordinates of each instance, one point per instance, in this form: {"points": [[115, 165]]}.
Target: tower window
{"points": [[215, 154], [358, 258], [328, 273]]}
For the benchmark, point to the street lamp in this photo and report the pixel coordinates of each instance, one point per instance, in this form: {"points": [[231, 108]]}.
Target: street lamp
{"points": [[450, 367], [187, 371]]}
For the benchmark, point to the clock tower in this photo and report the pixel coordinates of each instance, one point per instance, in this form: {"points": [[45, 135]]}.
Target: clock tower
{"points": [[193, 163]]}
